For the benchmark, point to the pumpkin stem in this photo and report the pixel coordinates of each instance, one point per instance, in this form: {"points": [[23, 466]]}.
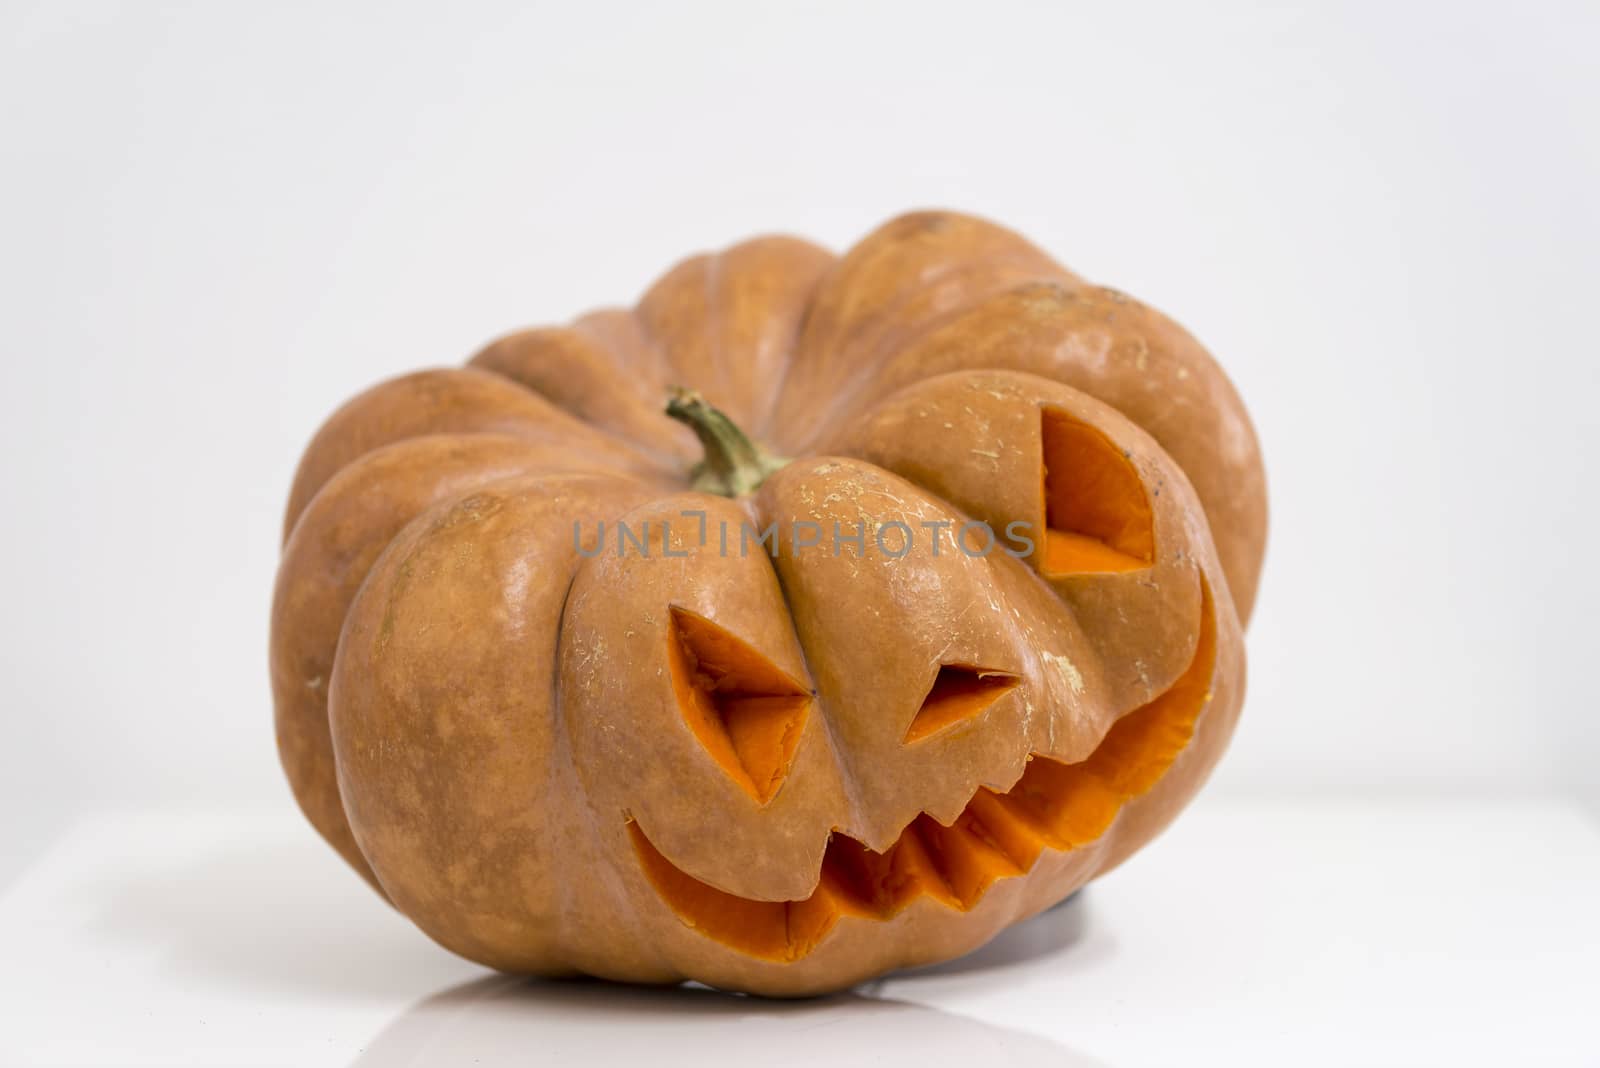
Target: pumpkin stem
{"points": [[734, 465]]}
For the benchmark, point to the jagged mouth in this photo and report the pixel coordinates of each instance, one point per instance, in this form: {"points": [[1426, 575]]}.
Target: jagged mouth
{"points": [[998, 835]]}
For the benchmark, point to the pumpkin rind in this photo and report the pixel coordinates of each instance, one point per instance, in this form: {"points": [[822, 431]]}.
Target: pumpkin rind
{"points": [[547, 752]]}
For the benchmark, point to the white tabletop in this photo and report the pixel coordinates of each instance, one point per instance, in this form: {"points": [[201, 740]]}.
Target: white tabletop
{"points": [[1294, 932]]}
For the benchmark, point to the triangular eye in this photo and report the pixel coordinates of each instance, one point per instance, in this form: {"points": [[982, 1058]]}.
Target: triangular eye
{"points": [[744, 709], [959, 693], [1097, 513]]}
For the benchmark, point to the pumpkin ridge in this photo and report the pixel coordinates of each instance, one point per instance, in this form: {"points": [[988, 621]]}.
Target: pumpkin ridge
{"points": [[852, 793], [862, 399], [447, 467], [564, 759], [731, 331], [653, 320], [448, 400], [569, 366], [885, 313], [764, 409], [854, 379]]}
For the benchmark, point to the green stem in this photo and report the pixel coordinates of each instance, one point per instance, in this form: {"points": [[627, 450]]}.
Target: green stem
{"points": [[734, 465]]}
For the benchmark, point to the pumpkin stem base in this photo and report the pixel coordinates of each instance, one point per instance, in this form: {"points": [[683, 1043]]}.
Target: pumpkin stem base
{"points": [[734, 465]]}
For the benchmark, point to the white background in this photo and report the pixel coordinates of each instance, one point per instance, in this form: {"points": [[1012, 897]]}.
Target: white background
{"points": [[219, 221]]}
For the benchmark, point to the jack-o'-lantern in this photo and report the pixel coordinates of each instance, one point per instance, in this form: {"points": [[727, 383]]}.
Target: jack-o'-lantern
{"points": [[814, 618]]}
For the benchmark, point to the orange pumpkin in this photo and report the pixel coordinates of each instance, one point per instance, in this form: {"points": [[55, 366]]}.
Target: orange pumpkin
{"points": [[922, 609]]}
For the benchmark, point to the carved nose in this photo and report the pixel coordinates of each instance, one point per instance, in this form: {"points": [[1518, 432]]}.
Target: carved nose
{"points": [[959, 693]]}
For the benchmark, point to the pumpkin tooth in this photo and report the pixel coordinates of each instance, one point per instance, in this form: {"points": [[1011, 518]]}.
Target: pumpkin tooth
{"points": [[915, 868], [1006, 827], [1070, 801], [808, 922], [969, 864], [857, 878]]}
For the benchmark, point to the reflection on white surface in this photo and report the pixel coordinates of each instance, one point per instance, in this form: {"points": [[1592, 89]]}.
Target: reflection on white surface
{"points": [[1285, 932], [506, 1021], [503, 1020], [256, 918]]}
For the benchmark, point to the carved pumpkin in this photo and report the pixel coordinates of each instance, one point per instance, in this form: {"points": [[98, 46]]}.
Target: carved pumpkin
{"points": [[766, 690]]}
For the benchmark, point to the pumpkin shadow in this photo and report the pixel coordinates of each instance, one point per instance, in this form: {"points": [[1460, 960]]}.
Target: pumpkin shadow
{"points": [[278, 917], [1056, 930], [504, 1020]]}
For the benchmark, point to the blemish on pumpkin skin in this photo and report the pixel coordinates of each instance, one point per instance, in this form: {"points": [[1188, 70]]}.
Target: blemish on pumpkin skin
{"points": [[402, 579], [473, 509], [1140, 352], [1067, 670]]}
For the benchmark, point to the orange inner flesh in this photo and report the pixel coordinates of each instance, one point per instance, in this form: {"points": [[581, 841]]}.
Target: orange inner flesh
{"points": [[1097, 515], [958, 693], [746, 712], [997, 836]]}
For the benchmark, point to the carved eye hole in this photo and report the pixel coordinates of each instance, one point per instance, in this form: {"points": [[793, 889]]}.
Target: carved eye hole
{"points": [[959, 693], [1097, 513], [744, 709]]}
